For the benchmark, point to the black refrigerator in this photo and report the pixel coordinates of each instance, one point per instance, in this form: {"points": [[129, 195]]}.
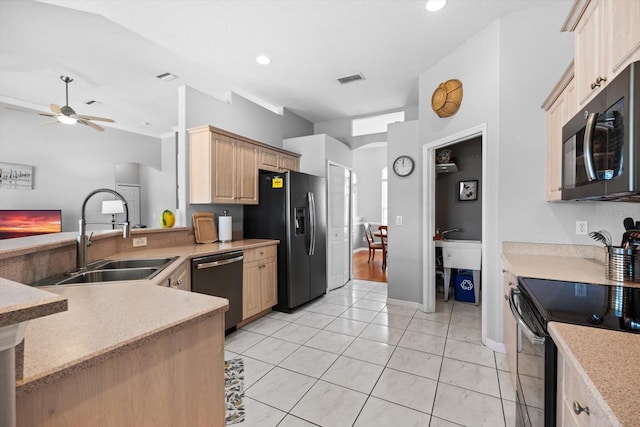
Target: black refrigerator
{"points": [[293, 209]]}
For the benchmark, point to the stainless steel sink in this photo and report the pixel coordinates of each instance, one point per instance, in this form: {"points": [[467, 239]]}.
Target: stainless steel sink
{"points": [[110, 271], [135, 263], [111, 275]]}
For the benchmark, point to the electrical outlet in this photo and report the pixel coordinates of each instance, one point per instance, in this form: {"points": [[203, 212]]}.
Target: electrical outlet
{"points": [[581, 227], [399, 220], [139, 241]]}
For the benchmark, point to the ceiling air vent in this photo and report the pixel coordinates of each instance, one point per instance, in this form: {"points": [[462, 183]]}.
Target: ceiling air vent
{"points": [[167, 77], [350, 78]]}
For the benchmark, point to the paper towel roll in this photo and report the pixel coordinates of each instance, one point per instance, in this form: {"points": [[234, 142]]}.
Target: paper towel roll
{"points": [[224, 228]]}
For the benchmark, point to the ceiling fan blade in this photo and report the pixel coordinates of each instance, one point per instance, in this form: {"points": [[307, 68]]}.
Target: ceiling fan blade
{"points": [[100, 119], [48, 114], [90, 124], [51, 123], [54, 108]]}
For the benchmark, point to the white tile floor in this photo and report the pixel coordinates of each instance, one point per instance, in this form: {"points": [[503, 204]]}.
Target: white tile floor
{"points": [[349, 359]]}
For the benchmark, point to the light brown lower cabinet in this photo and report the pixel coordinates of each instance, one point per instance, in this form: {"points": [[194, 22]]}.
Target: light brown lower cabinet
{"points": [[576, 406], [179, 279], [260, 277], [173, 379]]}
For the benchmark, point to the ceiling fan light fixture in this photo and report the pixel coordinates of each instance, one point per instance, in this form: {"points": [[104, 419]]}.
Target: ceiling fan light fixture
{"points": [[67, 120], [435, 5]]}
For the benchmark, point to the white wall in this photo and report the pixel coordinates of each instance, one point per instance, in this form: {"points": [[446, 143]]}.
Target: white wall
{"points": [[316, 150], [159, 186], [368, 164], [507, 70], [69, 163], [313, 150], [341, 128]]}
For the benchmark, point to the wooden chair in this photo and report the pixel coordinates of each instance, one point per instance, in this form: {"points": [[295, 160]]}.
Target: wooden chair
{"points": [[373, 245], [382, 230]]}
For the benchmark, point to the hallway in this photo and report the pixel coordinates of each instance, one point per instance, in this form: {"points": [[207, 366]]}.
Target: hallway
{"points": [[363, 270]]}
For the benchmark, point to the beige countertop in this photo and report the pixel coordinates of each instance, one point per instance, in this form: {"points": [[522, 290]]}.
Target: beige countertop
{"points": [[574, 269], [19, 303], [605, 359], [607, 362], [106, 319]]}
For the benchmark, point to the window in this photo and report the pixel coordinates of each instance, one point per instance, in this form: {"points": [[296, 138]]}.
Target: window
{"points": [[375, 124], [385, 209]]}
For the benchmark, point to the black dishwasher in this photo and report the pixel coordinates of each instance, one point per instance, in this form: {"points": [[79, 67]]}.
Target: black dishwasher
{"points": [[220, 276]]}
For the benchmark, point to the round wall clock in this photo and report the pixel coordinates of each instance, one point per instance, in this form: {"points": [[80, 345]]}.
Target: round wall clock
{"points": [[403, 166]]}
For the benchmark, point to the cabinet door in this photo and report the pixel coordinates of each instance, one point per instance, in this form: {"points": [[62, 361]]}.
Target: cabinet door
{"points": [[290, 163], [590, 54], [268, 283], [509, 326], [178, 279], [251, 289], [200, 158], [555, 121], [269, 159], [624, 33], [224, 169], [246, 173]]}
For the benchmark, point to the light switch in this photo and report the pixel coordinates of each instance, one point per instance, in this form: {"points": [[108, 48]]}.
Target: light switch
{"points": [[399, 220]]}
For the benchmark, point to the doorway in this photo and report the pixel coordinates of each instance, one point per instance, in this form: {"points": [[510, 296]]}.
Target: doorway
{"points": [[429, 212]]}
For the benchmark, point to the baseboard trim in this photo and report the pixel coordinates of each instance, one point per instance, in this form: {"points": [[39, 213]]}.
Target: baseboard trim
{"points": [[495, 345], [404, 303]]}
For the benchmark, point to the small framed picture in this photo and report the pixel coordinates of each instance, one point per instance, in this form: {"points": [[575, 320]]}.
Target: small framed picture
{"points": [[468, 190]]}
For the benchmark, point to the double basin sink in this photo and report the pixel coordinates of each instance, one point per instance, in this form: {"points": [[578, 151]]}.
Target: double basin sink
{"points": [[110, 271]]}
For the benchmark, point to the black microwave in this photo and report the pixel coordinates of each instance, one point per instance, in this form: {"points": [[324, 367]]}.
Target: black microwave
{"points": [[601, 144]]}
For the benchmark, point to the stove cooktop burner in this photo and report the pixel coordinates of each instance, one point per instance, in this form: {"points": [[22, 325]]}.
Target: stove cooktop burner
{"points": [[601, 306]]}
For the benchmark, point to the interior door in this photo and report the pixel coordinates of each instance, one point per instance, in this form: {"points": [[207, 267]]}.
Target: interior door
{"points": [[132, 194], [339, 247]]}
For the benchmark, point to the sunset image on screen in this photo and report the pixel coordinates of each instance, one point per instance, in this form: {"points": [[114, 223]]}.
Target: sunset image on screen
{"points": [[22, 223]]}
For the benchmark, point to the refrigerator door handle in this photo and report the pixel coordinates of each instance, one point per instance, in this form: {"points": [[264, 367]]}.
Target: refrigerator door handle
{"points": [[312, 221]]}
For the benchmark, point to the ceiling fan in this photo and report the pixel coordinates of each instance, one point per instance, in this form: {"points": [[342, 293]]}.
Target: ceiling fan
{"points": [[67, 115]]}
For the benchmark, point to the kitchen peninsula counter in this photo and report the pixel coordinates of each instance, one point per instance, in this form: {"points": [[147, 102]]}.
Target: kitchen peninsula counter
{"points": [[129, 344]]}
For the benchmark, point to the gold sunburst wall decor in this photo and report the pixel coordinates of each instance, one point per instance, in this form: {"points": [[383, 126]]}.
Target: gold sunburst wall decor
{"points": [[447, 97]]}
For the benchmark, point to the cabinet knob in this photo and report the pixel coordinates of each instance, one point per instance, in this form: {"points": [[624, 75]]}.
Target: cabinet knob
{"points": [[506, 297], [598, 82], [577, 408]]}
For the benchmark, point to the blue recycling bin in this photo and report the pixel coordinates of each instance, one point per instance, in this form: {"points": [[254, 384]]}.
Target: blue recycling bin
{"points": [[464, 286]]}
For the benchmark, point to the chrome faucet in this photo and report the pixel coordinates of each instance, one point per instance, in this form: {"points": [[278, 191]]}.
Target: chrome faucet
{"points": [[83, 242], [451, 230]]}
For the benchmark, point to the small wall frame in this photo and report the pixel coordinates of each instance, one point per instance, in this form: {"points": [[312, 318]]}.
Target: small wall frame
{"points": [[16, 177], [468, 190]]}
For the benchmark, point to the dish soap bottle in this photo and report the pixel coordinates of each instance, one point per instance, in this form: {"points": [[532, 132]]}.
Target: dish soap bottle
{"points": [[437, 236]]}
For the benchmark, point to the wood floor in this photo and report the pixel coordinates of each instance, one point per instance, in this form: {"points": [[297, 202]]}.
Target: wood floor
{"points": [[364, 270]]}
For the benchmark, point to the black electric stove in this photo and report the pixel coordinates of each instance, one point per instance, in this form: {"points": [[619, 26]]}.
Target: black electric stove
{"points": [[601, 306], [534, 303]]}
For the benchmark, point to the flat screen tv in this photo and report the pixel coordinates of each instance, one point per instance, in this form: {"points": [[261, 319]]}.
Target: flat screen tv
{"points": [[23, 223]]}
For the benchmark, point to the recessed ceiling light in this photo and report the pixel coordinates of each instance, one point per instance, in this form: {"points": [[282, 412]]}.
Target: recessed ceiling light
{"points": [[435, 5], [167, 77], [263, 60]]}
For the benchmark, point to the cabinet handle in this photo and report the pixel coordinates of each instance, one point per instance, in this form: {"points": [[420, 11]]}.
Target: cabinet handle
{"points": [[577, 408], [506, 297], [598, 82], [510, 283]]}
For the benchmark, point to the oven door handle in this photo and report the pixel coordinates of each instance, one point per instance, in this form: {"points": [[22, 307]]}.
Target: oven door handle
{"points": [[532, 336]]}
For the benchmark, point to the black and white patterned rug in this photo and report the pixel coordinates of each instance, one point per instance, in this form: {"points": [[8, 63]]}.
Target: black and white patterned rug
{"points": [[234, 390]]}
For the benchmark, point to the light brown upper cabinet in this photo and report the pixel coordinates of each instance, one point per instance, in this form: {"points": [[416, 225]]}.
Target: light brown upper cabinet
{"points": [[561, 105], [607, 39], [278, 161], [223, 167]]}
